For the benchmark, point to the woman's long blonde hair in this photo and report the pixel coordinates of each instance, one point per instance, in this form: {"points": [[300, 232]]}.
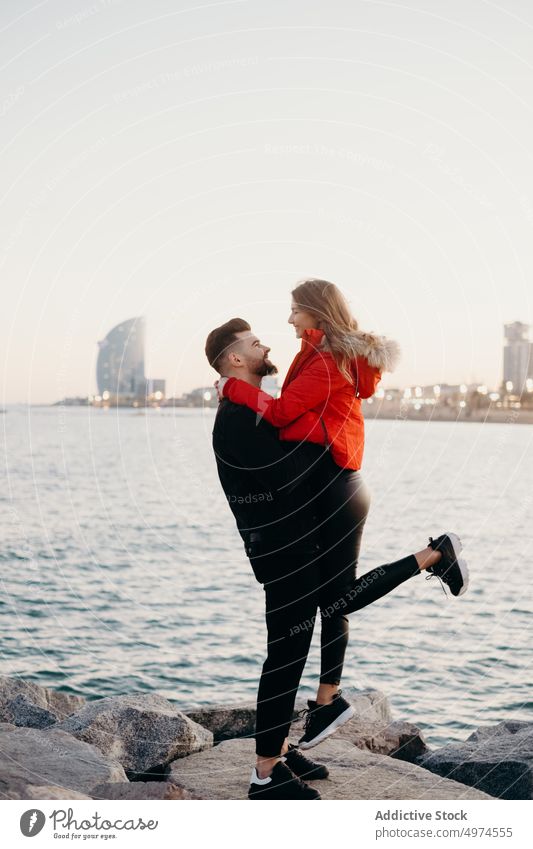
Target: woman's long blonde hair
{"points": [[326, 303]]}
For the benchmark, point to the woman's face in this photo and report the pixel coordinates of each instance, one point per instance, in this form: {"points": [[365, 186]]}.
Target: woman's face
{"points": [[301, 320]]}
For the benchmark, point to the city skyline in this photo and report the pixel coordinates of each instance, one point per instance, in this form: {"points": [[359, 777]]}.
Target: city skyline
{"points": [[192, 167], [124, 368], [120, 370]]}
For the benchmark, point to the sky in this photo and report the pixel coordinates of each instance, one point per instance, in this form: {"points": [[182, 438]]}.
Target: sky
{"points": [[190, 162]]}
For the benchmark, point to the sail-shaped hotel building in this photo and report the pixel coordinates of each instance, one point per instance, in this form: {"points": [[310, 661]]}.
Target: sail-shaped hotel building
{"points": [[120, 364]]}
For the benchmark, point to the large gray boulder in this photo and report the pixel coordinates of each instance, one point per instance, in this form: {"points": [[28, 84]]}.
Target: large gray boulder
{"points": [[224, 773], [142, 732], [397, 739], [147, 790], [53, 762], [226, 721], [497, 759], [21, 711], [27, 704]]}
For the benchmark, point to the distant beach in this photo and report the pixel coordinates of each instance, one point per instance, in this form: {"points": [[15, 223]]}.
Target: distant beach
{"points": [[442, 414]]}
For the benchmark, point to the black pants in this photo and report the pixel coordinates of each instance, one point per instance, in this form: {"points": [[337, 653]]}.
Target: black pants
{"points": [[292, 595], [344, 503]]}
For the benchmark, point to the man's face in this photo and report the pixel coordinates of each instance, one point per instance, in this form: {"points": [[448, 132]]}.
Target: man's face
{"points": [[253, 354]]}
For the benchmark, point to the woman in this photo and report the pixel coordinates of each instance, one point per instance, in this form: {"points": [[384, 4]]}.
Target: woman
{"points": [[320, 402]]}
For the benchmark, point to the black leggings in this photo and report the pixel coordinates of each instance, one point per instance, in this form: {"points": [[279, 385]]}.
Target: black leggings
{"points": [[343, 507], [291, 598]]}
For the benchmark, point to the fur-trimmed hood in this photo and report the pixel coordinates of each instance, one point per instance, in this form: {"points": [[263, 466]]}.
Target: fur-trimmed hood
{"points": [[379, 351]]}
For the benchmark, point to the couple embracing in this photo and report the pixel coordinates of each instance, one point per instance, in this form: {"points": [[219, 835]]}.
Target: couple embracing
{"points": [[290, 469]]}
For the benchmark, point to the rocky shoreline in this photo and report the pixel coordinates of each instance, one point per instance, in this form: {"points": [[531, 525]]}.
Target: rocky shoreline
{"points": [[54, 745]]}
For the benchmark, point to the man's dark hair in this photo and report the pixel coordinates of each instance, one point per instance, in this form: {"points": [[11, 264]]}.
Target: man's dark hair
{"points": [[221, 338]]}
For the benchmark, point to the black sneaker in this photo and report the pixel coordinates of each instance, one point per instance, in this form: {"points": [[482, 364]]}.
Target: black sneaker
{"points": [[281, 784], [323, 720], [451, 569], [302, 766]]}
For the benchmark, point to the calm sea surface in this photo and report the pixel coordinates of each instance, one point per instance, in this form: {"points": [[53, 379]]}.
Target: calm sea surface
{"points": [[122, 569]]}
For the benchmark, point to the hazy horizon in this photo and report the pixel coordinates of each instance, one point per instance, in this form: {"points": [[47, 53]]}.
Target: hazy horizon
{"points": [[190, 165]]}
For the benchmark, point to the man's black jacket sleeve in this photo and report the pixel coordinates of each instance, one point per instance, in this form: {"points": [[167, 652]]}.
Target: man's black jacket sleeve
{"points": [[254, 445]]}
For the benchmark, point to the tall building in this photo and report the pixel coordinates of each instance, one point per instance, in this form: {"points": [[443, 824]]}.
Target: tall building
{"points": [[517, 357], [155, 386], [120, 364]]}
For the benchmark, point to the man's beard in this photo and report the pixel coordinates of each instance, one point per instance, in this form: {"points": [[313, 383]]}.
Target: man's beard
{"points": [[264, 368]]}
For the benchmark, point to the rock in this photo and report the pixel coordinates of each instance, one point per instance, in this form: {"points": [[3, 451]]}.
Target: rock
{"points": [[142, 732], [224, 773], [23, 712], [51, 792], [397, 739], [159, 790], [23, 703], [497, 759], [38, 759], [226, 721], [408, 740]]}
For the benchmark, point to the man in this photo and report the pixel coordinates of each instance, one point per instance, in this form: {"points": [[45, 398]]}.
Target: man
{"points": [[273, 488], [269, 487]]}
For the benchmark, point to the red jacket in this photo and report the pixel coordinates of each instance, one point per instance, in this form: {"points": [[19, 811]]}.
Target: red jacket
{"points": [[316, 397]]}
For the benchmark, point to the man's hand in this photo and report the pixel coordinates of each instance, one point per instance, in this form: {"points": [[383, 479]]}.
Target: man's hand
{"points": [[219, 386]]}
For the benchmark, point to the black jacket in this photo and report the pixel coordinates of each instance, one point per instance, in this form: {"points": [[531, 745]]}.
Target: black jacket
{"points": [[271, 485]]}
